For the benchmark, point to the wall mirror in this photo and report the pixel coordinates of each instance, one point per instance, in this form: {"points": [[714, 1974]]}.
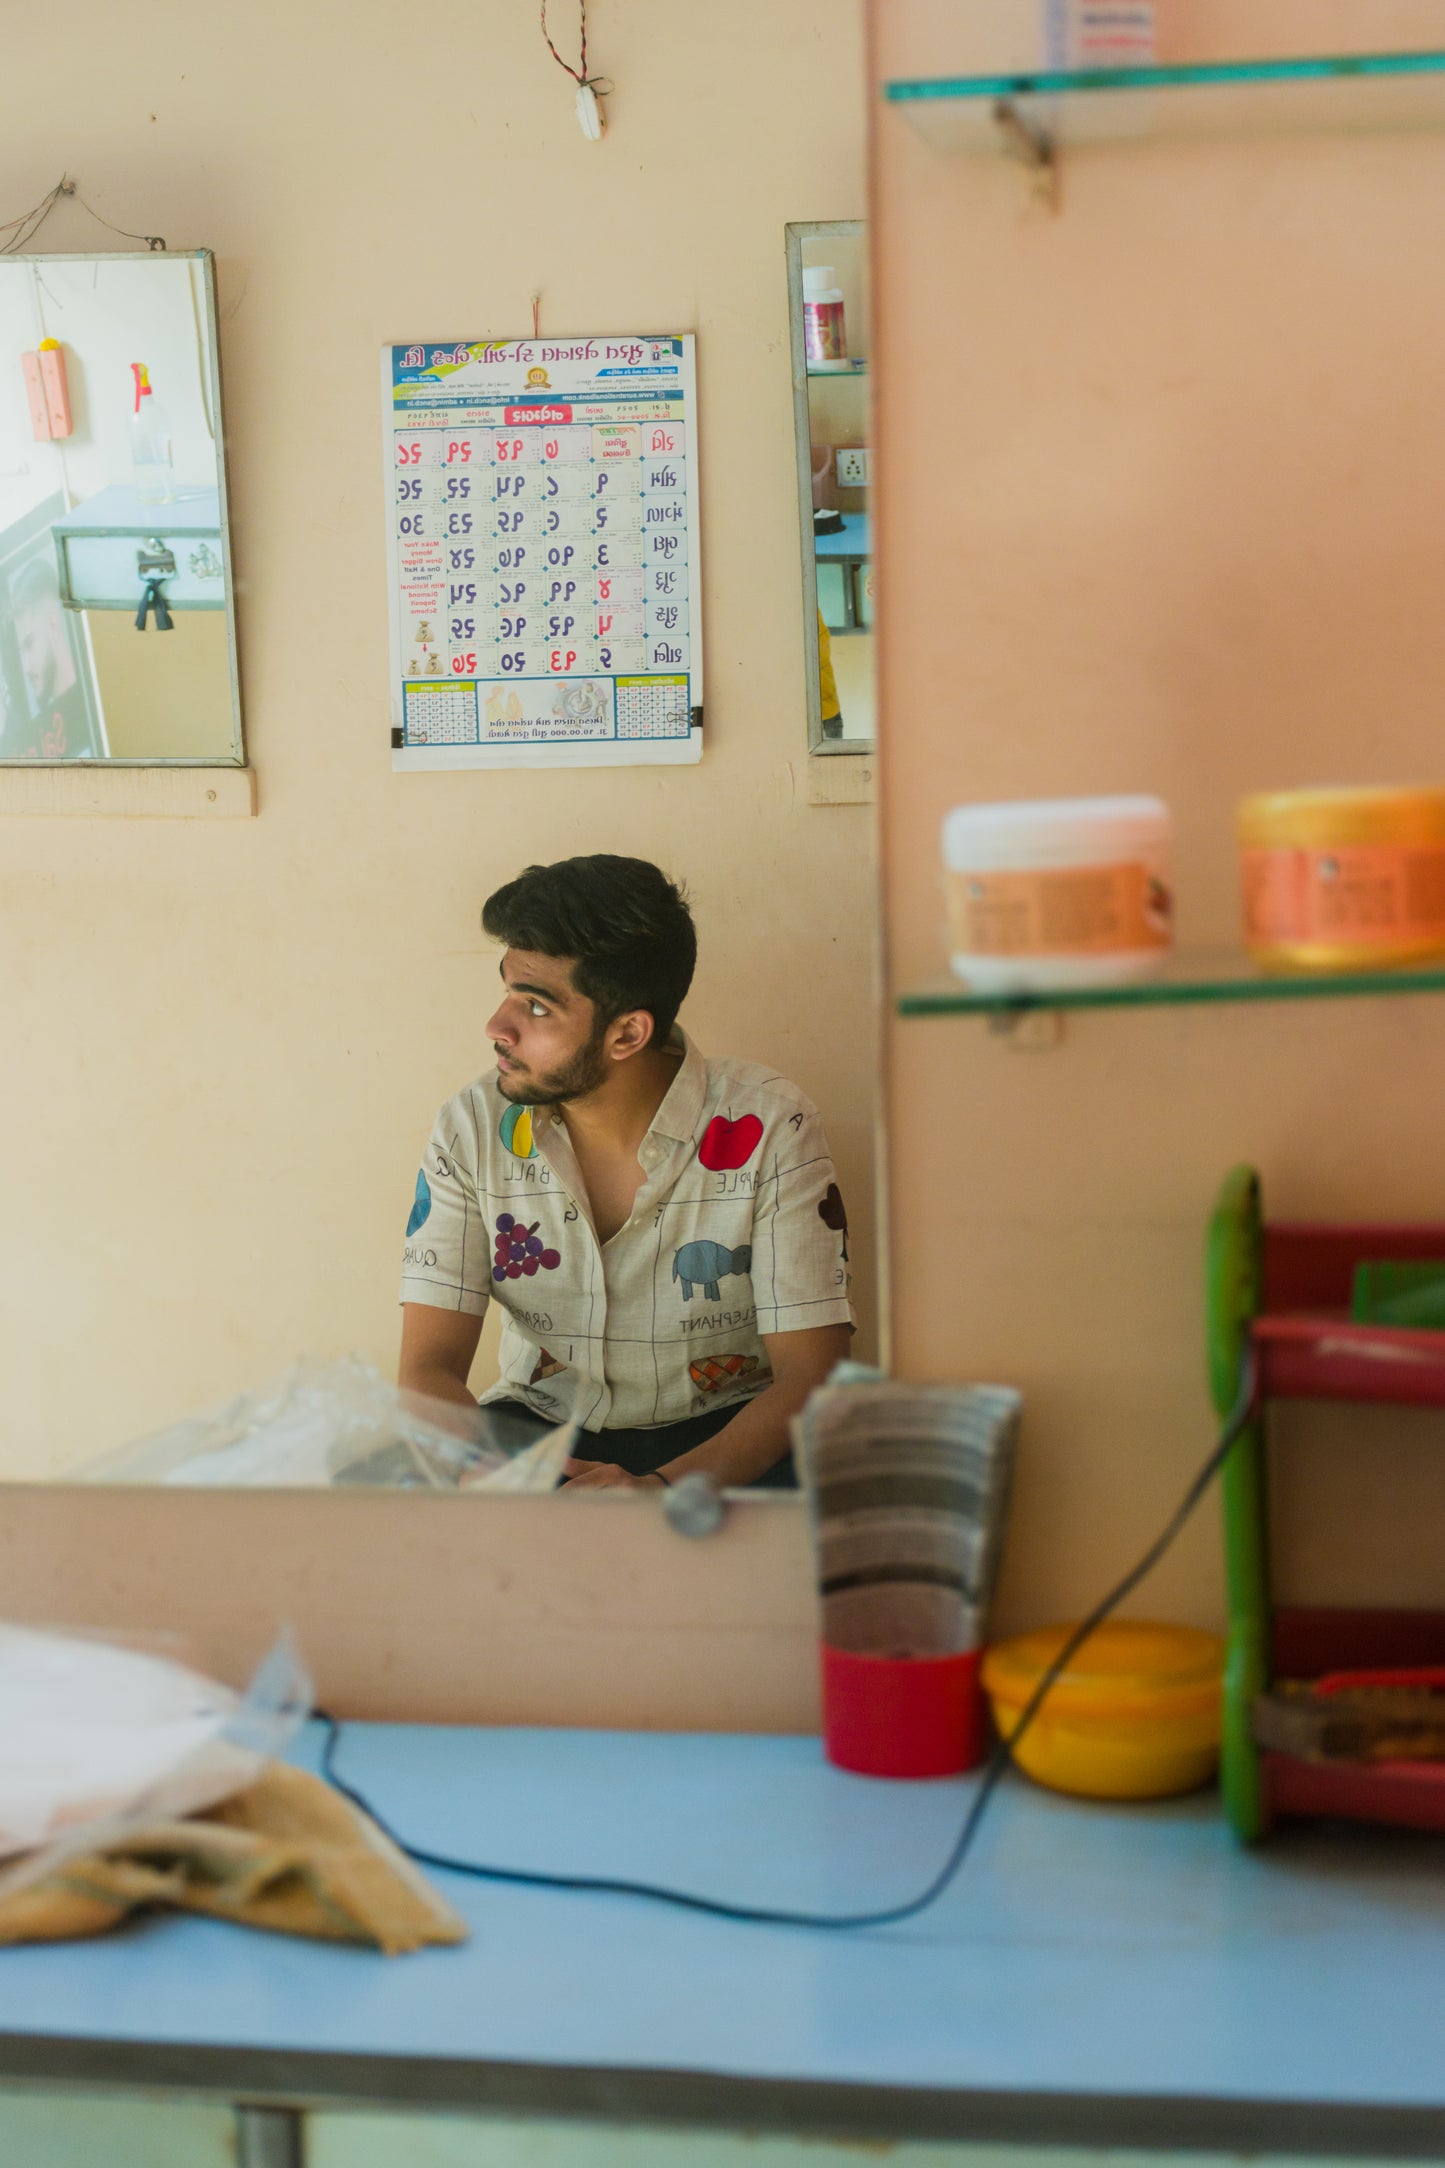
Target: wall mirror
{"points": [[117, 634], [829, 324]]}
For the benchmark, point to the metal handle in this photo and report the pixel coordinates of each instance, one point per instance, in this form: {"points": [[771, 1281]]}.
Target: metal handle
{"points": [[156, 560]]}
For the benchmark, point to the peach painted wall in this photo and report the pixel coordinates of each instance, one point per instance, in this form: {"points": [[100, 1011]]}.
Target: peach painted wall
{"points": [[225, 1044], [1161, 487]]}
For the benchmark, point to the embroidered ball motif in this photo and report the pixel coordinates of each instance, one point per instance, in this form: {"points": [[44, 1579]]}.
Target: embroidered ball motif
{"points": [[519, 1251], [516, 1133]]}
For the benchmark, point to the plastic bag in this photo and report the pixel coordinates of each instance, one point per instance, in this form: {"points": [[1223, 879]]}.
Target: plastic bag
{"points": [[101, 1736], [341, 1422]]}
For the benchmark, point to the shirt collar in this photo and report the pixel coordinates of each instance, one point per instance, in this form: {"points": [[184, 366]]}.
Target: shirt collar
{"points": [[677, 1117]]}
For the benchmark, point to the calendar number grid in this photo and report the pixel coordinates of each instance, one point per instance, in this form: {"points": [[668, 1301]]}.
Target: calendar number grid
{"points": [[542, 555]]}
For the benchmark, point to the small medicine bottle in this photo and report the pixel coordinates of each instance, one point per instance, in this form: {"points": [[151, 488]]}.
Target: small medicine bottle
{"points": [[824, 338]]}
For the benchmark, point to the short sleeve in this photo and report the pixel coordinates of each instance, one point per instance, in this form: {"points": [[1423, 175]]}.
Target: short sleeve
{"points": [[800, 1270], [446, 1260]]}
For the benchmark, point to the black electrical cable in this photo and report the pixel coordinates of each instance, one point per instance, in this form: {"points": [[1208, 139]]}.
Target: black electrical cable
{"points": [[994, 1768]]}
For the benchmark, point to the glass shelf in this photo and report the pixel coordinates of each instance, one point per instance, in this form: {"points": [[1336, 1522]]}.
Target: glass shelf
{"points": [[1189, 977], [854, 368], [1036, 112]]}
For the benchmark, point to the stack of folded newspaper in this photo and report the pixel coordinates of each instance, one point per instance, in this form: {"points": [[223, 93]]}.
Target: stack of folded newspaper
{"points": [[909, 1487]]}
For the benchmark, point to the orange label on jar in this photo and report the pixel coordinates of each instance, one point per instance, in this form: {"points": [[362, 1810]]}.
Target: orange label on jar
{"points": [[1358, 892], [1065, 911]]}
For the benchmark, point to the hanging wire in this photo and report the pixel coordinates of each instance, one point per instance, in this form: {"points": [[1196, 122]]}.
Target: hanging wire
{"points": [[1241, 1415], [23, 229], [578, 75], [155, 242], [599, 84], [20, 229]]}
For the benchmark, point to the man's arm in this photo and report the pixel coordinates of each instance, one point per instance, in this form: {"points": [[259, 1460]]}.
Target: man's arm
{"points": [[758, 1435], [437, 1347]]}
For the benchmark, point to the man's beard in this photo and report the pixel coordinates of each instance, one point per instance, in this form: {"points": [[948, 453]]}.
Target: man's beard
{"points": [[582, 1074]]}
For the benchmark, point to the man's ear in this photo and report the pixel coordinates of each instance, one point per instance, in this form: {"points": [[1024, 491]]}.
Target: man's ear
{"points": [[628, 1035]]}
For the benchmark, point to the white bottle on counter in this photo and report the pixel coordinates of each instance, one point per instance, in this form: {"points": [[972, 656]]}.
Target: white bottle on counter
{"points": [[825, 339], [150, 441]]}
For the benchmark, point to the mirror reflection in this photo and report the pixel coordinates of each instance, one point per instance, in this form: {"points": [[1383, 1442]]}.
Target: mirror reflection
{"points": [[116, 637], [627, 1257], [661, 1227], [828, 308]]}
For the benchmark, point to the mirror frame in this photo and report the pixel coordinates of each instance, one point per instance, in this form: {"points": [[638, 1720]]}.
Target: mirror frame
{"points": [[205, 258], [795, 235]]}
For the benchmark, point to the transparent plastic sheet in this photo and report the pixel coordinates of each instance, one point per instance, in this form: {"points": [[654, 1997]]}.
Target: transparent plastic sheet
{"points": [[103, 1736], [341, 1423]]}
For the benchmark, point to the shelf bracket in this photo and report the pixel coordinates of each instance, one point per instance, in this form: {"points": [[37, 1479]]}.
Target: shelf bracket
{"points": [[1028, 1031], [1032, 146]]}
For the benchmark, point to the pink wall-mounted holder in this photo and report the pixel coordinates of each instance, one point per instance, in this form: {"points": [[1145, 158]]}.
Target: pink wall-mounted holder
{"points": [[35, 394], [47, 391]]}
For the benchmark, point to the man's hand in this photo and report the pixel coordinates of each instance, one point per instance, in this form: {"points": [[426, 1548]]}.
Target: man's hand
{"points": [[606, 1475], [759, 1435]]}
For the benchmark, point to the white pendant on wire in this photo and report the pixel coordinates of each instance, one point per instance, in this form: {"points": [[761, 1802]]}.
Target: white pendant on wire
{"points": [[589, 113]]}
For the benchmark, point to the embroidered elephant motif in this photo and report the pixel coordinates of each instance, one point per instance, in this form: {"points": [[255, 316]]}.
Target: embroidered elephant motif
{"points": [[705, 1263]]}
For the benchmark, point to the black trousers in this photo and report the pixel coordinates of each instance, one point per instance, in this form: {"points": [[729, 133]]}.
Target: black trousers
{"points": [[638, 1451]]}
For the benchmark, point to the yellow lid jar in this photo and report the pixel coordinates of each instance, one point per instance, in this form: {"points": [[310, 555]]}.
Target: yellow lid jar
{"points": [[1135, 1714], [1343, 880]]}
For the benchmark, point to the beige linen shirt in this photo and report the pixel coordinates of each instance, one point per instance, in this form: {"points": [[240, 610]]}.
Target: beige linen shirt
{"points": [[738, 1230]]}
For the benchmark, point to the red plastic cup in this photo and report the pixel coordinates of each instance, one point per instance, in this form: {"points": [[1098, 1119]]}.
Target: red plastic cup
{"points": [[903, 1716]]}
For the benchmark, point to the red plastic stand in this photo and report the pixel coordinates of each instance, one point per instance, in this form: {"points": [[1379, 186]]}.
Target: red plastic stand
{"points": [[903, 1716], [1307, 1345], [1411, 1795]]}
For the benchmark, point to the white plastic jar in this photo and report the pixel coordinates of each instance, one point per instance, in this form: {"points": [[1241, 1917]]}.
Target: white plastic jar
{"points": [[1058, 892]]}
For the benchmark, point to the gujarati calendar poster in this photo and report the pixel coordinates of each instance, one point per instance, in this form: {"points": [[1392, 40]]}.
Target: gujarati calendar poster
{"points": [[542, 553]]}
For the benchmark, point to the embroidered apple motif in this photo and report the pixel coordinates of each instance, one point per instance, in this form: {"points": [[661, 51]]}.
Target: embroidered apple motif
{"points": [[726, 1145], [834, 1213]]}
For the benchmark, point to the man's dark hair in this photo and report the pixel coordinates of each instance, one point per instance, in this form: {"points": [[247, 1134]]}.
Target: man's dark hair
{"points": [[625, 926]]}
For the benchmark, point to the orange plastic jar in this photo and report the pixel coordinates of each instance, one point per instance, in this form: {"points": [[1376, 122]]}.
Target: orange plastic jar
{"points": [[1134, 1715], [1343, 880]]}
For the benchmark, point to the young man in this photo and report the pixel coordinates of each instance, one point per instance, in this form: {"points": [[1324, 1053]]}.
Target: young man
{"points": [[664, 1232]]}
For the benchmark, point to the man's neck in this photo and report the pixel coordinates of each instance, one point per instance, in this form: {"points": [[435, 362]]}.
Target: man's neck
{"points": [[617, 1116]]}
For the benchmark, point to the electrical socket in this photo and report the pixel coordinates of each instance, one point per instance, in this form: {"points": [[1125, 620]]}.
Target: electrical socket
{"points": [[853, 466]]}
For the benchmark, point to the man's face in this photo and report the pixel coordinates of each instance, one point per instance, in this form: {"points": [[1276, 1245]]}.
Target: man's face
{"points": [[548, 1043]]}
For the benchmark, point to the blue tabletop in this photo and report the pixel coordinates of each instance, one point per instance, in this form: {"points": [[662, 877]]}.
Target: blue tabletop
{"points": [[855, 541], [195, 508], [1111, 1953]]}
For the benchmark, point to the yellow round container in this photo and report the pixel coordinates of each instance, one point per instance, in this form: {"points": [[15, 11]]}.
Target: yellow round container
{"points": [[1343, 880], [1134, 1716]]}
